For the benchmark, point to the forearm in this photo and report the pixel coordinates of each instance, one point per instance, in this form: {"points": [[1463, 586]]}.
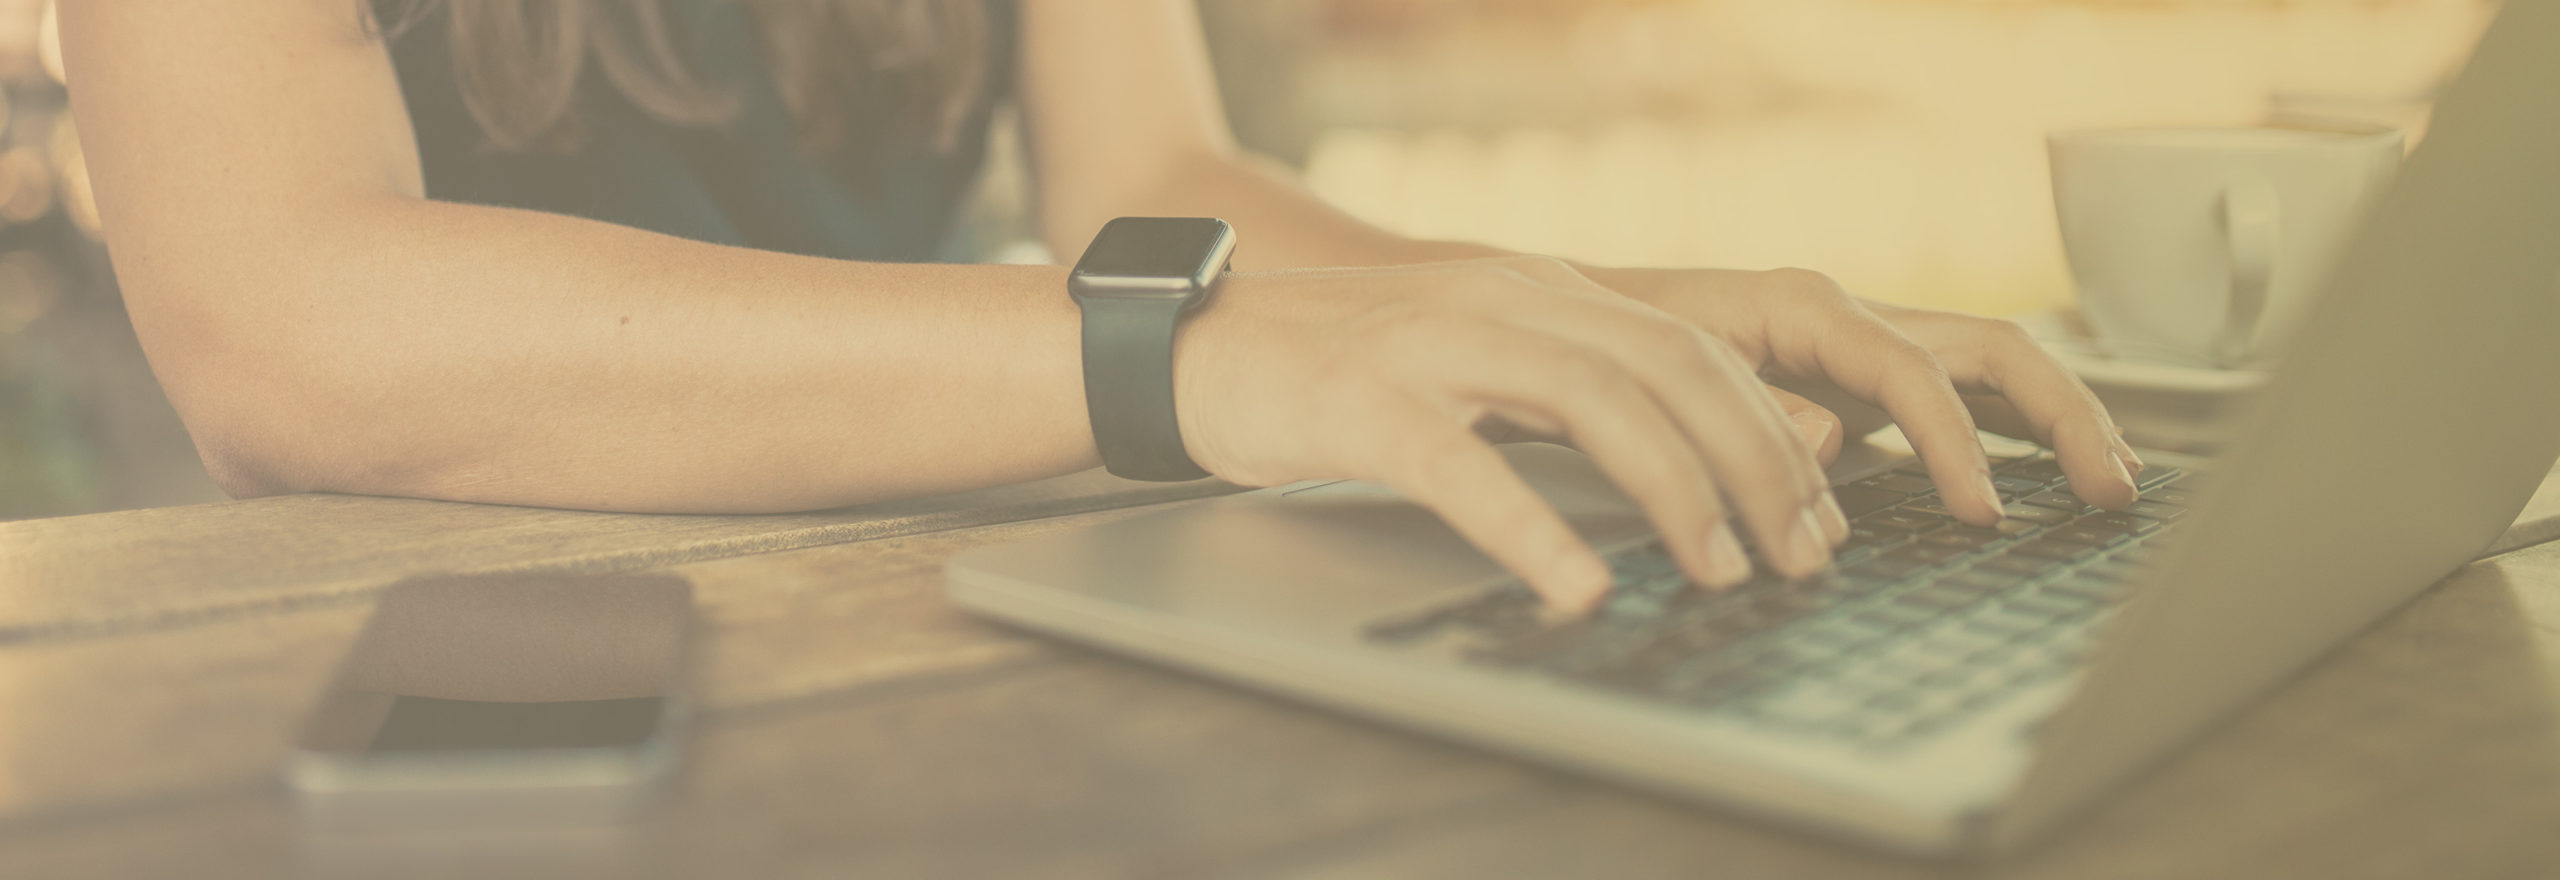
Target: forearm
{"points": [[1284, 225], [411, 347], [1279, 223]]}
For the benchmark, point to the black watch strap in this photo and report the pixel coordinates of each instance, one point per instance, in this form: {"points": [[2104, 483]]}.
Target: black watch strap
{"points": [[1128, 388]]}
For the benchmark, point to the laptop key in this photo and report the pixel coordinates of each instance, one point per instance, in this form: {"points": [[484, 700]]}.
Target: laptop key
{"points": [[1648, 558], [2049, 604], [2004, 624], [1924, 553], [2084, 535], [1859, 500], [2016, 487], [2049, 548], [1941, 597], [1964, 538], [2044, 470], [1881, 569], [1836, 635], [2058, 500], [1864, 538], [1973, 585], [1893, 616], [1907, 484], [2118, 522], [2043, 516], [1931, 601], [2152, 509], [2019, 567], [1978, 577], [1905, 520], [1786, 605], [2157, 477]]}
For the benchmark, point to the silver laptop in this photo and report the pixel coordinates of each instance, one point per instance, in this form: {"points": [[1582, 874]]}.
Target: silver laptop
{"points": [[1946, 689]]}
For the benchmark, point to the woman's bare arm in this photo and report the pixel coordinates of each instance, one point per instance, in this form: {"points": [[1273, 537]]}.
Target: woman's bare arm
{"points": [[1124, 119], [322, 325]]}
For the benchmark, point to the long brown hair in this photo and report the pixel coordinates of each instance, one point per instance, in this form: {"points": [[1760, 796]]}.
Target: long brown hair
{"points": [[519, 62]]}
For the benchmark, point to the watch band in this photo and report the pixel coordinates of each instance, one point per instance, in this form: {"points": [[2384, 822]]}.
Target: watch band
{"points": [[1128, 388]]}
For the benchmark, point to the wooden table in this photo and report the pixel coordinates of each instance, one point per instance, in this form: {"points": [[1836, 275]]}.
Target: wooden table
{"points": [[153, 663]]}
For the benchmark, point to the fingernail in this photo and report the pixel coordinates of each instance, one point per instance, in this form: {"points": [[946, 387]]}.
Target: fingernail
{"points": [[1988, 493], [1813, 428], [2124, 473], [1805, 545], [2131, 460], [1835, 525], [1726, 564]]}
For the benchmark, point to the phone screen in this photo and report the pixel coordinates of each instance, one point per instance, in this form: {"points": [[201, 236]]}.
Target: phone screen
{"points": [[508, 665], [429, 724]]}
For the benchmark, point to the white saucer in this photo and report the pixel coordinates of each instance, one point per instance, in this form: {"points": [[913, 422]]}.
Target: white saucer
{"points": [[2160, 405]]}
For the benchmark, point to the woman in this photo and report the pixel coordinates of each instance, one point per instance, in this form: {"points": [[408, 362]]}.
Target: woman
{"points": [[655, 256]]}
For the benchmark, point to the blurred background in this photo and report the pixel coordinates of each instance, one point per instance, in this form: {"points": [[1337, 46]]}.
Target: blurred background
{"points": [[1895, 144]]}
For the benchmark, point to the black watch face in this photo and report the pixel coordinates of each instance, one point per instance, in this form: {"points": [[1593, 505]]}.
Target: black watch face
{"points": [[1153, 247]]}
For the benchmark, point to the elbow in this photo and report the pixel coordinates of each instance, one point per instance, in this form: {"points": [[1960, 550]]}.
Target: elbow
{"points": [[243, 432], [274, 438], [241, 470], [273, 414]]}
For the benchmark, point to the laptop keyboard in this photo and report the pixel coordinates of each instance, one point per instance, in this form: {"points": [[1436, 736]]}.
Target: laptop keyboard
{"points": [[1922, 620]]}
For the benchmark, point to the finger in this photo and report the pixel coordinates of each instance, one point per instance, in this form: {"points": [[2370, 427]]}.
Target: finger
{"points": [[1608, 413], [1875, 362], [1446, 468], [1814, 423], [2058, 409], [1752, 452], [1995, 414], [1820, 429]]}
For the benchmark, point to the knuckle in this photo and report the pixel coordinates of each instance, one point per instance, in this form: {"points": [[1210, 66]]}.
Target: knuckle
{"points": [[1996, 342], [1916, 362], [1586, 368], [1670, 339], [2007, 333], [1538, 266], [1805, 285]]}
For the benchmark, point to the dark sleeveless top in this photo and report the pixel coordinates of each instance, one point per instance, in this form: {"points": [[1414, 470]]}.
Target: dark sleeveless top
{"points": [[749, 182]]}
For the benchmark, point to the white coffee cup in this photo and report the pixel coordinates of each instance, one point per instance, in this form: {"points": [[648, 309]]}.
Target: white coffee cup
{"points": [[2198, 246]]}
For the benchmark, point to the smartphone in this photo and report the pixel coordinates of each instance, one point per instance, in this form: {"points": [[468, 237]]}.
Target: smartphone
{"points": [[509, 702]]}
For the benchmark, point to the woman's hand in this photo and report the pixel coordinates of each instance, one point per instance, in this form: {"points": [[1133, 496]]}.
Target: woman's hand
{"points": [[1937, 373], [1400, 374]]}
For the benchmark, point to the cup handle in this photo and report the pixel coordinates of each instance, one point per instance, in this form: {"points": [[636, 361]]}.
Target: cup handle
{"points": [[2249, 229]]}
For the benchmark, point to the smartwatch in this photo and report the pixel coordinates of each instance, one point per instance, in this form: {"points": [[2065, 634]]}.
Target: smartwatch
{"points": [[1134, 283]]}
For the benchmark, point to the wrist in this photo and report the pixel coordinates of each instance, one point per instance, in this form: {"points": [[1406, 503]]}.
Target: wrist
{"points": [[1205, 354], [1136, 284]]}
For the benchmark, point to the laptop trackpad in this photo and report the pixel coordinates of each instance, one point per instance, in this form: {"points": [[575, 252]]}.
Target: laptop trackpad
{"points": [[1329, 555]]}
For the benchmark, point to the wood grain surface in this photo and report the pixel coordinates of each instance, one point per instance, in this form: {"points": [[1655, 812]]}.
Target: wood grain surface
{"points": [[855, 724], [141, 569]]}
